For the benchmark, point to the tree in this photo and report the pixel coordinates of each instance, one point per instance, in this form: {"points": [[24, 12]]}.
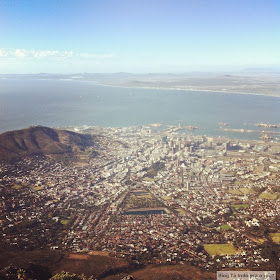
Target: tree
{"points": [[68, 276], [21, 275]]}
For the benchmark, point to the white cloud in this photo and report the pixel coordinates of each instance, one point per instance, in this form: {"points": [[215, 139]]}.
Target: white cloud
{"points": [[22, 53], [51, 54]]}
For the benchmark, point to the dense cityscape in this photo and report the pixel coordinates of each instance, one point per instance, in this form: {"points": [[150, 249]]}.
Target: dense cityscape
{"points": [[150, 195]]}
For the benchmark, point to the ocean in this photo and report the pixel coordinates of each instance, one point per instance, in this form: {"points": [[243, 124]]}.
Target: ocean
{"points": [[62, 103]]}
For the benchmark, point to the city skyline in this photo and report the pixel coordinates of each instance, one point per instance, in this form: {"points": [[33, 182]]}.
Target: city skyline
{"points": [[138, 36]]}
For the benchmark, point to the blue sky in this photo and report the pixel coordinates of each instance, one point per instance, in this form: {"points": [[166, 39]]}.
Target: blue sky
{"points": [[71, 36]]}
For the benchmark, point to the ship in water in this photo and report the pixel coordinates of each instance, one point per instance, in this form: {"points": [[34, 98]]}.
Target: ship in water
{"points": [[156, 124], [268, 125], [190, 127]]}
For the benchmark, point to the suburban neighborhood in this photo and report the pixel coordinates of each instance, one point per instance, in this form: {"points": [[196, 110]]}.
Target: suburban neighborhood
{"points": [[150, 195]]}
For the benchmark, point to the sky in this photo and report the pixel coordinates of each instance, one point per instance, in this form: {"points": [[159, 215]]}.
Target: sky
{"points": [[139, 36]]}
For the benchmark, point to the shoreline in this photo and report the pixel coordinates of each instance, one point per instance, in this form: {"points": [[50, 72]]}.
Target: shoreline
{"points": [[83, 129], [153, 88], [182, 89]]}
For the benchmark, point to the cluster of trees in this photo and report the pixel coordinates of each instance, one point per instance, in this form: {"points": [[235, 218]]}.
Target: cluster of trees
{"points": [[28, 274], [271, 251], [153, 170], [147, 201], [70, 276]]}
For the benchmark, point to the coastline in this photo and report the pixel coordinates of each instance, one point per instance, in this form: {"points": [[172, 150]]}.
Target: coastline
{"points": [[150, 87], [182, 89]]}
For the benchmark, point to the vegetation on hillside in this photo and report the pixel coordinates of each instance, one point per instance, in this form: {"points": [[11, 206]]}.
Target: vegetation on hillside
{"points": [[41, 140], [70, 276]]}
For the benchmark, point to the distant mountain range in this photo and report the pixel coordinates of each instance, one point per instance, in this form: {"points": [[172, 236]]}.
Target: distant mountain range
{"points": [[40, 140], [264, 81]]}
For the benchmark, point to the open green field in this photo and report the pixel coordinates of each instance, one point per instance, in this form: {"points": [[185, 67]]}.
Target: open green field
{"points": [[37, 188], [275, 237], [237, 192], [180, 211], [246, 190], [260, 240], [268, 196], [257, 240], [241, 191], [225, 227], [16, 186], [238, 206], [166, 197], [64, 222], [220, 249]]}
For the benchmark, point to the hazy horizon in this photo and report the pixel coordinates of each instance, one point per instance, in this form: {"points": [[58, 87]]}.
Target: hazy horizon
{"points": [[138, 37], [257, 70]]}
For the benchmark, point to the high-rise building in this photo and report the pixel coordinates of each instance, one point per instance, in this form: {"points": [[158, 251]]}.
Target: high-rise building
{"points": [[187, 185], [182, 176]]}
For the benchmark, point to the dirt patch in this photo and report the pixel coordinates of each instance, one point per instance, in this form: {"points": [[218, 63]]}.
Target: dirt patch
{"points": [[99, 253], [169, 272], [78, 257]]}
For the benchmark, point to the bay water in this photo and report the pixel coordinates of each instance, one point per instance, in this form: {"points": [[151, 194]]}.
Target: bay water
{"points": [[62, 103]]}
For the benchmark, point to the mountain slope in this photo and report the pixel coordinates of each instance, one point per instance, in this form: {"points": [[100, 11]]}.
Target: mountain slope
{"points": [[40, 140]]}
